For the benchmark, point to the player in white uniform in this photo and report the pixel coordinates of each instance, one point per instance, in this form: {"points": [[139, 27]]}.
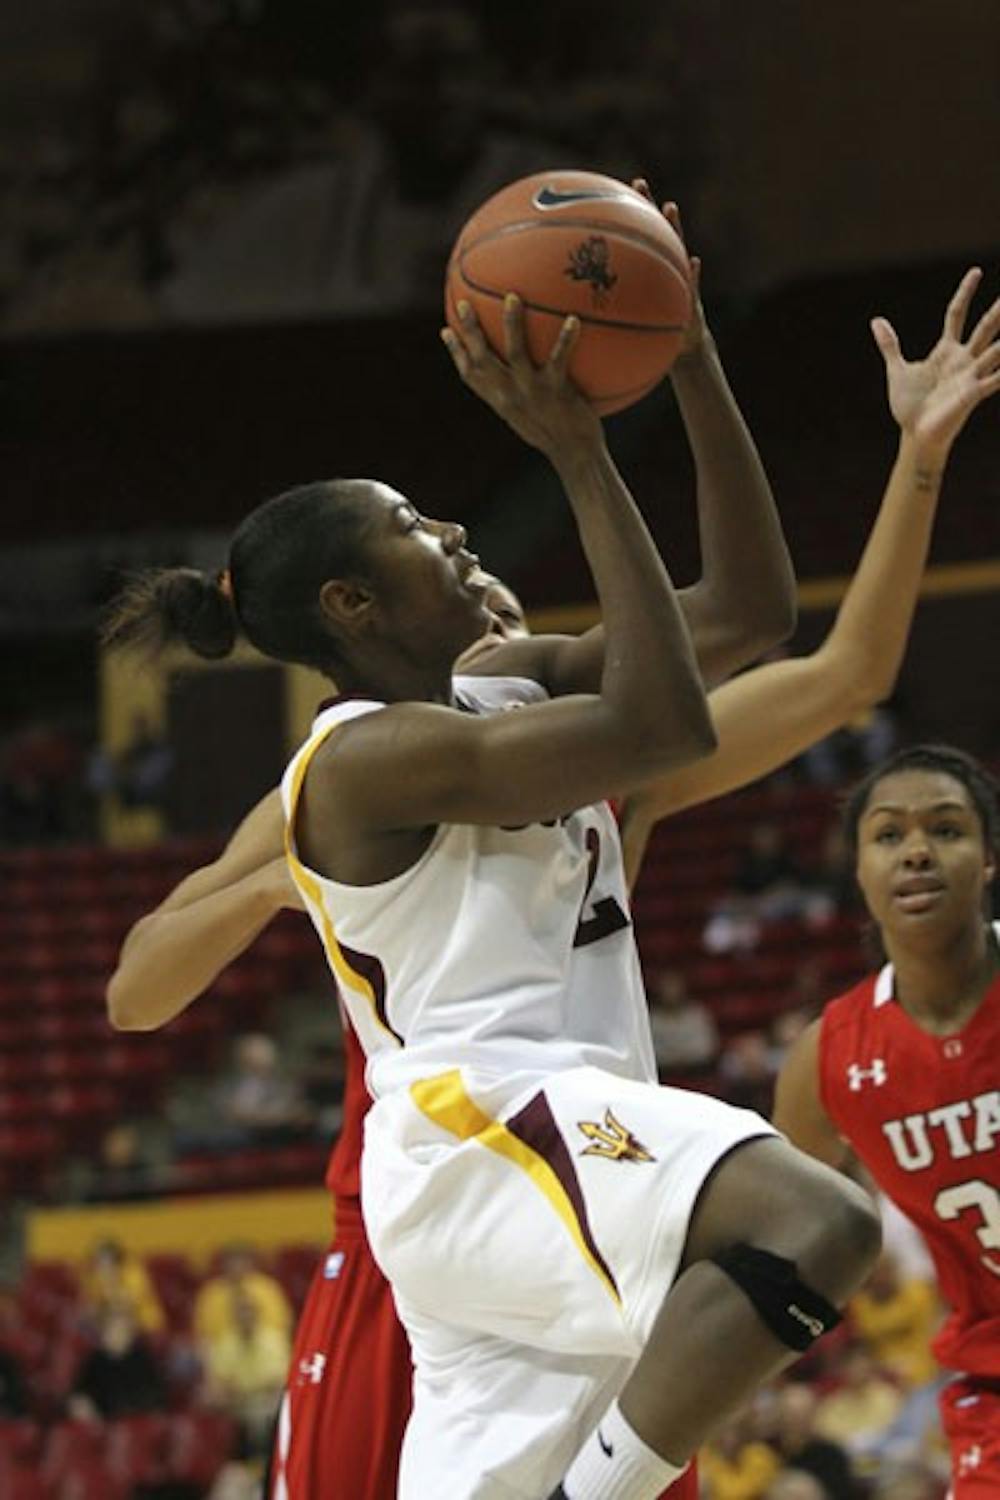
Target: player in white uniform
{"points": [[531, 1192]]}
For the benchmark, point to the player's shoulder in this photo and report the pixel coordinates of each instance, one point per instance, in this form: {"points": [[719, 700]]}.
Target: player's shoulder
{"points": [[855, 1007]]}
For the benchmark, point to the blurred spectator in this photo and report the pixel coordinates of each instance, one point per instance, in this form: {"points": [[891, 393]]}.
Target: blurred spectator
{"points": [[810, 987], [851, 751], [115, 1281], [858, 1413], [13, 1386], [738, 1464], [895, 1318], [832, 889], [768, 886], [685, 1036], [246, 1363], [260, 1101], [796, 1484], [40, 780], [801, 1446], [120, 1376], [139, 774], [784, 1030], [907, 1482], [748, 1072], [124, 1169], [368, 228], [239, 1280]]}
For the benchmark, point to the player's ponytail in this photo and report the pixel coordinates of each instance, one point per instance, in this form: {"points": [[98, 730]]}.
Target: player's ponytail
{"points": [[280, 557], [171, 605]]}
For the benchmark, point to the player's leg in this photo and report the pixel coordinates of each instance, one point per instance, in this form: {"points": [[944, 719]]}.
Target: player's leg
{"points": [[348, 1396], [772, 1241]]}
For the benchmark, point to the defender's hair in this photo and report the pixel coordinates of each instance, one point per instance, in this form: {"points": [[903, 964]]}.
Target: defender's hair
{"points": [[279, 559], [983, 790]]}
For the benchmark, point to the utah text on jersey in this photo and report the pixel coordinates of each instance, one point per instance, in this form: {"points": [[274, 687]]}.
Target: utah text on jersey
{"points": [[968, 1127]]}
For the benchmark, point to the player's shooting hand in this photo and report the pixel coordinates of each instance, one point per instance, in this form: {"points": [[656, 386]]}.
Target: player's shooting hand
{"points": [[697, 336], [539, 402], [932, 398]]}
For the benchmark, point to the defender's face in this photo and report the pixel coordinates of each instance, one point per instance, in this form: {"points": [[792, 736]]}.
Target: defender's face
{"points": [[923, 865]]}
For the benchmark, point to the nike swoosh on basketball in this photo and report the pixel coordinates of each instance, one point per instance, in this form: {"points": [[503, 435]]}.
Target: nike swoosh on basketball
{"points": [[608, 1449], [550, 197]]}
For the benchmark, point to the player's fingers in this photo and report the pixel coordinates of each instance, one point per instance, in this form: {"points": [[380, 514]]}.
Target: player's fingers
{"points": [[958, 308], [986, 329], [987, 360], [672, 214], [472, 335], [642, 186], [885, 337], [564, 345], [694, 262], [513, 329], [456, 349]]}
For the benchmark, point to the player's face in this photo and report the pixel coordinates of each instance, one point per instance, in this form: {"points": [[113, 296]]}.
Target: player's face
{"points": [[923, 865], [507, 622], [431, 589]]}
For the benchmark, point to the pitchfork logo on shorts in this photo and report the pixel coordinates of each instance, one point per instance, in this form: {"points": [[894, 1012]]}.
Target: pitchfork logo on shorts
{"points": [[591, 261], [612, 1141]]}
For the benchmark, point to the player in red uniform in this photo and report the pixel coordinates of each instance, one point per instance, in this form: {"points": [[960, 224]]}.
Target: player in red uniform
{"points": [[904, 1069]]}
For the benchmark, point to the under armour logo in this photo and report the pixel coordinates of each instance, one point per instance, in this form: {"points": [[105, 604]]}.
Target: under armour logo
{"points": [[858, 1076], [970, 1459], [612, 1140], [333, 1265], [312, 1369]]}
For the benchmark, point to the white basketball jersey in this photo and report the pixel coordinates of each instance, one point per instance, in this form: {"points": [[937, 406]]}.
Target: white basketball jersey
{"points": [[505, 950]]}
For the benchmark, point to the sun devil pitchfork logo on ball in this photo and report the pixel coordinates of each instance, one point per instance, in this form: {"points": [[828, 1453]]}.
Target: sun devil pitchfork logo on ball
{"points": [[591, 261]]}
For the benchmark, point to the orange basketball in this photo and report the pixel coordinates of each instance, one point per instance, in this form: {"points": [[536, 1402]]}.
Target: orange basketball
{"points": [[577, 242]]}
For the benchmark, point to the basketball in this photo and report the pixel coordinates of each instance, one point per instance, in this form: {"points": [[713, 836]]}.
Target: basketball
{"points": [[578, 242]]}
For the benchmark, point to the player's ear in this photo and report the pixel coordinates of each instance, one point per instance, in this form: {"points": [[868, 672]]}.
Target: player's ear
{"points": [[347, 604]]}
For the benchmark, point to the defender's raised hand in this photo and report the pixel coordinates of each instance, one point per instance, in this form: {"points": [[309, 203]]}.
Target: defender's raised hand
{"points": [[932, 398]]}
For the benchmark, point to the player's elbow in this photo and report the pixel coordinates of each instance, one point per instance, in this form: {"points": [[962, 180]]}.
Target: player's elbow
{"points": [[124, 1014], [676, 738]]}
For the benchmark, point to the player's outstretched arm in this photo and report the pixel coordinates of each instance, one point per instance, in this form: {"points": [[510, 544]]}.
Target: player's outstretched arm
{"points": [[745, 601], [798, 1108], [175, 952], [771, 714]]}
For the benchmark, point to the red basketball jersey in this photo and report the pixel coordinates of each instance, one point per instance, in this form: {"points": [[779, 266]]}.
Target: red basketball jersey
{"points": [[923, 1114], [343, 1173]]}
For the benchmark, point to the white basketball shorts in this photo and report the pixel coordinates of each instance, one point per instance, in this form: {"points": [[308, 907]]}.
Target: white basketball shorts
{"points": [[530, 1240]]}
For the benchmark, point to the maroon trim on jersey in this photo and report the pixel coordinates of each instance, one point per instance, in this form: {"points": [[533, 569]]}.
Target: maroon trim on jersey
{"points": [[368, 966], [339, 698], [535, 1125]]}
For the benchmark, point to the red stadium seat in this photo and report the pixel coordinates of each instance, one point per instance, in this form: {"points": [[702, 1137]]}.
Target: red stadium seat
{"points": [[70, 1447], [198, 1444], [20, 1441], [136, 1450]]}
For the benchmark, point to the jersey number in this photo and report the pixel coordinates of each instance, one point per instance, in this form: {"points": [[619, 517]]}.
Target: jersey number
{"points": [[978, 1195], [606, 916]]}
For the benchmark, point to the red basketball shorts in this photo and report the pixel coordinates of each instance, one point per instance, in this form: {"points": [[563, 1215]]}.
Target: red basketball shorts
{"points": [[349, 1386], [970, 1414]]}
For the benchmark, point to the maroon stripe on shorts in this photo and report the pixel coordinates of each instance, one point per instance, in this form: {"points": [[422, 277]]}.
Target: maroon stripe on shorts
{"points": [[535, 1125]]}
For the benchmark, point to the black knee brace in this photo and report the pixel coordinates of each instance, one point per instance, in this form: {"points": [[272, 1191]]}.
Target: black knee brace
{"points": [[793, 1312]]}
